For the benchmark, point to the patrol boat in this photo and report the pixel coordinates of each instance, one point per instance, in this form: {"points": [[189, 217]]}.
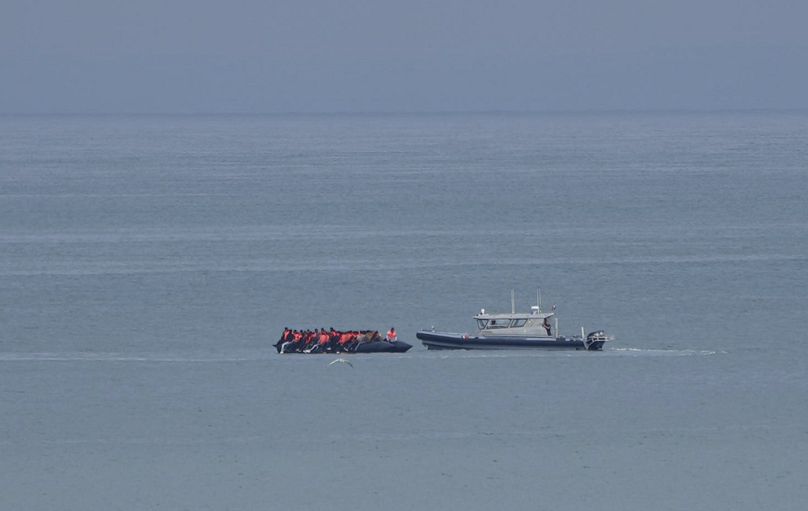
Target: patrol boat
{"points": [[517, 330]]}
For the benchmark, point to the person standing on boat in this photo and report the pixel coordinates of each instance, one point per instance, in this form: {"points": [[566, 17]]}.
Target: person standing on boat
{"points": [[391, 335]]}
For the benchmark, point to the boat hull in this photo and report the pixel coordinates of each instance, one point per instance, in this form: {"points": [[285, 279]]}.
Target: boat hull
{"points": [[365, 347], [454, 341], [383, 347]]}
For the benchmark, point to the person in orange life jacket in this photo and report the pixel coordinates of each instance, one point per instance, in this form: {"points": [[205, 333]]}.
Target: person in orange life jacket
{"points": [[292, 340], [345, 338], [323, 339], [313, 337], [333, 337], [282, 340], [310, 340], [300, 340], [354, 342], [319, 341], [391, 335], [285, 337]]}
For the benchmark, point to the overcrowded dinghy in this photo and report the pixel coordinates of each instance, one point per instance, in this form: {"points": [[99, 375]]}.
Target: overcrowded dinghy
{"points": [[334, 341]]}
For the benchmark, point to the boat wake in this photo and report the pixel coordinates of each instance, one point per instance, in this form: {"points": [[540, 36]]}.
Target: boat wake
{"points": [[125, 357], [215, 358], [664, 352], [611, 352]]}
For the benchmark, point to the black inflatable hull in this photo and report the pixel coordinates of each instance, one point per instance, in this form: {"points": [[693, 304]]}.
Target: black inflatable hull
{"points": [[383, 347], [365, 347], [449, 341]]}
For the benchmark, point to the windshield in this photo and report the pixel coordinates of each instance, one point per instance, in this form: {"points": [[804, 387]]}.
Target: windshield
{"points": [[499, 323]]}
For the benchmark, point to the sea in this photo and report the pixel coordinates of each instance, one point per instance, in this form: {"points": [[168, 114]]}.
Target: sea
{"points": [[149, 262]]}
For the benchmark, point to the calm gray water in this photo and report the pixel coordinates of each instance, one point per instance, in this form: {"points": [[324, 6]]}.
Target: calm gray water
{"points": [[147, 264]]}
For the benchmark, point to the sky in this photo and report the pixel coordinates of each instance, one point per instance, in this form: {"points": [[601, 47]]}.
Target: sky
{"points": [[267, 56]]}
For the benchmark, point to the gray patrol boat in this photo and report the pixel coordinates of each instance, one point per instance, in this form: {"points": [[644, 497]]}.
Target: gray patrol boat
{"points": [[514, 330]]}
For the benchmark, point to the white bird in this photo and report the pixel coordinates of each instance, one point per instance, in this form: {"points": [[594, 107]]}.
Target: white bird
{"points": [[340, 361]]}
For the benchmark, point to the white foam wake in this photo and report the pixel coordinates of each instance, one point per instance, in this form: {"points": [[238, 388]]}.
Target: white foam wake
{"points": [[125, 357]]}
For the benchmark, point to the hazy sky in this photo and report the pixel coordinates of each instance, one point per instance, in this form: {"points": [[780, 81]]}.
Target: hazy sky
{"points": [[199, 56]]}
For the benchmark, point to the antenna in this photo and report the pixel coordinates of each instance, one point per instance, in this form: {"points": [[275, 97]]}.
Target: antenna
{"points": [[513, 302]]}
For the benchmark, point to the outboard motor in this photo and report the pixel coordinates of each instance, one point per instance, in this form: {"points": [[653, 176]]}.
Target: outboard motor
{"points": [[594, 340]]}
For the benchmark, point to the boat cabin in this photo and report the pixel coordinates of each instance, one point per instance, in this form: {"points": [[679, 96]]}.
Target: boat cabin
{"points": [[534, 323]]}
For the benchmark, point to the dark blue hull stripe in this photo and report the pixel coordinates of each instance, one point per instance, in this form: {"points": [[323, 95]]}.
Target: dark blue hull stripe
{"points": [[434, 340]]}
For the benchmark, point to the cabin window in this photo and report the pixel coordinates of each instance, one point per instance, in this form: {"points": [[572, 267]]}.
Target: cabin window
{"points": [[481, 323], [498, 323], [518, 323]]}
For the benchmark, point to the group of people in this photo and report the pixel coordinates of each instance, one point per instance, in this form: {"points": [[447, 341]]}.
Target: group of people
{"points": [[321, 340]]}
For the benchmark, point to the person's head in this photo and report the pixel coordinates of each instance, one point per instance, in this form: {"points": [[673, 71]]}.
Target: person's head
{"points": [[392, 329]]}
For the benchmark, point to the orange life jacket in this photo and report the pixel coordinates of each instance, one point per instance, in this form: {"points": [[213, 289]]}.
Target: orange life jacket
{"points": [[391, 335]]}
